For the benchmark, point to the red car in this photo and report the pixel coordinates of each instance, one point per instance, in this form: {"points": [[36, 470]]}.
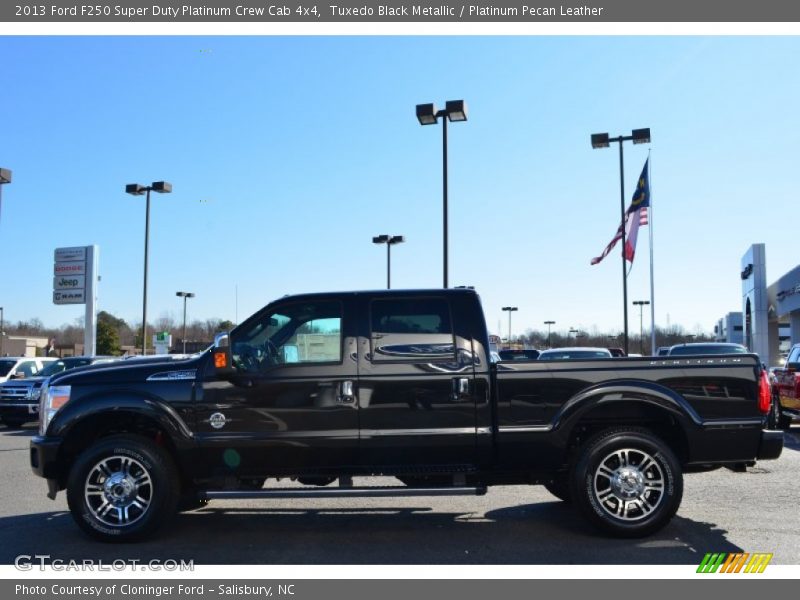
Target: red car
{"points": [[786, 389]]}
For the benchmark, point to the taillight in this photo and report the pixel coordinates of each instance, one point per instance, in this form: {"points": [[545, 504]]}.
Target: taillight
{"points": [[764, 393]]}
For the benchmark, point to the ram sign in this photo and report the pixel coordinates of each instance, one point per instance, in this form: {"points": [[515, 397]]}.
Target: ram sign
{"points": [[68, 297]]}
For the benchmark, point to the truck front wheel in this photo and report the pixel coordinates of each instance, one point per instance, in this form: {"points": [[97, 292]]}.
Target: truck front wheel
{"points": [[627, 482], [122, 488]]}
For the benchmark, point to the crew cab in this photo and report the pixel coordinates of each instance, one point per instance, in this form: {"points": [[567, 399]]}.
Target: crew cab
{"points": [[786, 388], [324, 388]]}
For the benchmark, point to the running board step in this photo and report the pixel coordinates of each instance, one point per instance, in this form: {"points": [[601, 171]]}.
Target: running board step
{"points": [[342, 492]]}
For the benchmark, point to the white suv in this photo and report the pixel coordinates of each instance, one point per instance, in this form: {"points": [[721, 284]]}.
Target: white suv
{"points": [[12, 367]]}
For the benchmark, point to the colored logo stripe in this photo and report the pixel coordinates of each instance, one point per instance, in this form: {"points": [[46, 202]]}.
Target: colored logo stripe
{"points": [[734, 563]]}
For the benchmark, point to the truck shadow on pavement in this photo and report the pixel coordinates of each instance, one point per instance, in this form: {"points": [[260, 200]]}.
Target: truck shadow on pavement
{"points": [[541, 533]]}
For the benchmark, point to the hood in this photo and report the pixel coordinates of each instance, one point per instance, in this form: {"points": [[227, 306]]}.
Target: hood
{"points": [[128, 369], [26, 382]]}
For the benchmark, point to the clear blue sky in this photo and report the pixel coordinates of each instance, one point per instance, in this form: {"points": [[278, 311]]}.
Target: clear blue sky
{"points": [[287, 154]]}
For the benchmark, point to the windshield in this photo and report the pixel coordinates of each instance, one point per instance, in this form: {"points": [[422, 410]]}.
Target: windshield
{"points": [[573, 354], [5, 366]]}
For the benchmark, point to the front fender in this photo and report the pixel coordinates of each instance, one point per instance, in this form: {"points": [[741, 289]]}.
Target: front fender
{"points": [[123, 403]]}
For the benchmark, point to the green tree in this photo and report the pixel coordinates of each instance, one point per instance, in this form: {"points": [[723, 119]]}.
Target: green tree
{"points": [[108, 334]]}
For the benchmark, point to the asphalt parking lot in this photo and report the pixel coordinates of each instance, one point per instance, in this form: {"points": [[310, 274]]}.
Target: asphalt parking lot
{"points": [[722, 511]]}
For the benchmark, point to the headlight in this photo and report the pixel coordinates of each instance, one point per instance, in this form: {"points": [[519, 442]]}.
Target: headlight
{"points": [[34, 394], [50, 401]]}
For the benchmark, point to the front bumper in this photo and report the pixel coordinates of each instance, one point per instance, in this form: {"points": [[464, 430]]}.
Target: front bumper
{"points": [[22, 410], [771, 444], [44, 456]]}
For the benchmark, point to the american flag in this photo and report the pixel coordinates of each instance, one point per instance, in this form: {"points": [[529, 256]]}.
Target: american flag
{"points": [[635, 217]]}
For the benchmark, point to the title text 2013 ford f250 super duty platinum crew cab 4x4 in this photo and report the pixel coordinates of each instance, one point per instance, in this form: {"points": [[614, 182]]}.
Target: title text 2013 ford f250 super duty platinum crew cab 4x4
{"points": [[321, 387]]}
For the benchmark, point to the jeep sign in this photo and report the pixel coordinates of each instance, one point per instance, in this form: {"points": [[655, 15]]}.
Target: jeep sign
{"points": [[69, 282]]}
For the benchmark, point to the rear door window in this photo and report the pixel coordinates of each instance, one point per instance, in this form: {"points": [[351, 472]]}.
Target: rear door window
{"points": [[411, 330]]}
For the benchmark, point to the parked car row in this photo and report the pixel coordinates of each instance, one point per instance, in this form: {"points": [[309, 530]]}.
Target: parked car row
{"points": [[583, 353], [19, 393]]}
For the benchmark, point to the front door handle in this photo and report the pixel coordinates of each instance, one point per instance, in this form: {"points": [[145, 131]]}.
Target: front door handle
{"points": [[346, 393]]}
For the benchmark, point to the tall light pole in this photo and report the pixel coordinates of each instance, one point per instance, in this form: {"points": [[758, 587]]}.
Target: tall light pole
{"points": [[575, 331], [602, 140], [185, 296], [455, 111], [641, 304], [549, 339], [509, 310], [389, 240], [135, 189], [5, 177]]}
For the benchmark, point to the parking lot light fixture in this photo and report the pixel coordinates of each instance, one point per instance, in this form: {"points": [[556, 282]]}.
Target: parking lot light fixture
{"points": [[389, 240], [455, 111], [509, 310], [136, 189], [5, 177], [603, 140], [185, 296], [549, 339], [641, 304]]}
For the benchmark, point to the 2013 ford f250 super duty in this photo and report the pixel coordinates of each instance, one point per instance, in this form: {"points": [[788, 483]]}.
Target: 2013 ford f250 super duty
{"points": [[321, 387]]}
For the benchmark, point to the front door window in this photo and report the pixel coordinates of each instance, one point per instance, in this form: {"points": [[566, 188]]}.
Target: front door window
{"points": [[294, 334]]}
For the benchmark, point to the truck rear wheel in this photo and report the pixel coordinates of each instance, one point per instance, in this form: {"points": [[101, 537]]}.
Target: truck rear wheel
{"points": [[122, 488], [627, 482]]}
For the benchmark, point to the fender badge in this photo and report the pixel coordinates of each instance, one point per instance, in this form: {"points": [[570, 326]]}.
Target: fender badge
{"points": [[217, 420]]}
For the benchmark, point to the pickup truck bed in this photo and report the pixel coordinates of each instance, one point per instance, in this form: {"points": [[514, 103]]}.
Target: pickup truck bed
{"points": [[321, 387]]}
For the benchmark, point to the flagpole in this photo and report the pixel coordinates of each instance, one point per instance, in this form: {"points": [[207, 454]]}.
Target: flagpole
{"points": [[624, 266], [652, 285]]}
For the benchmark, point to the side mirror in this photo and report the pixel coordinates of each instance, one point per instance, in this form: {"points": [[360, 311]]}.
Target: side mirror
{"points": [[221, 354], [18, 375]]}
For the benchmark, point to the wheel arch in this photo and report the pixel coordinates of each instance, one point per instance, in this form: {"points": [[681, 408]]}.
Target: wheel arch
{"points": [[628, 403], [85, 423]]}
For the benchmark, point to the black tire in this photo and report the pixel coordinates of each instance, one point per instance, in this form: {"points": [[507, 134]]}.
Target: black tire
{"points": [[629, 501], [115, 468], [14, 422], [784, 422], [560, 489], [775, 420]]}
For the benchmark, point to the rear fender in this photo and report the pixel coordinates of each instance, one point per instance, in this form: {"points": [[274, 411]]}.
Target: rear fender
{"points": [[646, 392]]}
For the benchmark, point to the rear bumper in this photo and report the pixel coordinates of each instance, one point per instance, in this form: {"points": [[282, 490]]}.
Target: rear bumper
{"points": [[771, 444], [44, 456]]}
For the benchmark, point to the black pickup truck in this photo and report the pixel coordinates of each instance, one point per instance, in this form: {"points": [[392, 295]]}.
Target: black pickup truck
{"points": [[327, 387]]}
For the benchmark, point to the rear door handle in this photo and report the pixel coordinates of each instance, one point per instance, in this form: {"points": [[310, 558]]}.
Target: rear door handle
{"points": [[346, 393], [461, 389]]}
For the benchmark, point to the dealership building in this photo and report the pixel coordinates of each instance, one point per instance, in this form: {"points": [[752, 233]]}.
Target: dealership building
{"points": [[769, 323]]}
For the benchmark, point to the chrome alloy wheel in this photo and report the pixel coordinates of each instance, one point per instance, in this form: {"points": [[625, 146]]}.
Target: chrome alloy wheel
{"points": [[118, 491], [629, 484]]}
